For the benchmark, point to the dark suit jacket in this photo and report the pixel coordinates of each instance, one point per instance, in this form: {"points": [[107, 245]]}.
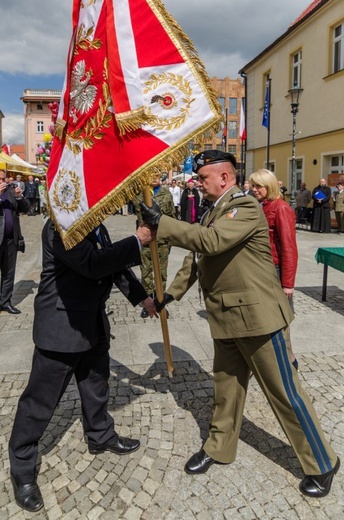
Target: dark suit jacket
{"points": [[31, 190], [18, 205], [75, 284]]}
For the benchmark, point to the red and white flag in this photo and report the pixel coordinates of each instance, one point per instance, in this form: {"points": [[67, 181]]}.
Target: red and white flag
{"points": [[135, 94], [242, 121], [6, 149]]}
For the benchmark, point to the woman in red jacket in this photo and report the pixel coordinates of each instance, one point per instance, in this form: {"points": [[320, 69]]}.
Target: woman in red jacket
{"points": [[281, 220]]}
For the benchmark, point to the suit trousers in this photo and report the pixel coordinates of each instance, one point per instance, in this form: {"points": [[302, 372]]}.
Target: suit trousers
{"points": [[268, 357], [50, 374], [8, 260]]}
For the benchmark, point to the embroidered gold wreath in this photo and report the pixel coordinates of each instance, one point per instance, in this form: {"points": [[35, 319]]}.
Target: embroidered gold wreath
{"points": [[83, 39], [175, 122], [67, 192], [92, 131]]}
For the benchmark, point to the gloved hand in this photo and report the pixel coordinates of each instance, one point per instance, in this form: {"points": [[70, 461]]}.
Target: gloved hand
{"points": [[168, 298], [151, 216]]}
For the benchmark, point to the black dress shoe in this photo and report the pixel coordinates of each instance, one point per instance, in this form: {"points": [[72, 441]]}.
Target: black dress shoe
{"points": [[27, 496], [122, 446], [200, 462], [10, 309], [318, 486]]}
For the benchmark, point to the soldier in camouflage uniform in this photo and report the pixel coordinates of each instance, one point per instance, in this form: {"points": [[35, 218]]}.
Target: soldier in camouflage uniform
{"points": [[164, 198]]}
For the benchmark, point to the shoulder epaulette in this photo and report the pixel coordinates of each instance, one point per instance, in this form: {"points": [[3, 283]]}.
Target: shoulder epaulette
{"points": [[238, 194]]}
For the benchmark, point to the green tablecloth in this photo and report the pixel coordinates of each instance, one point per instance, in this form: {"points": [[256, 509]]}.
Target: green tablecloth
{"points": [[332, 256]]}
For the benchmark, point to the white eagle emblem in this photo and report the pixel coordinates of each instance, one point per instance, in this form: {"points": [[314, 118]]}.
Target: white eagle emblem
{"points": [[82, 94]]}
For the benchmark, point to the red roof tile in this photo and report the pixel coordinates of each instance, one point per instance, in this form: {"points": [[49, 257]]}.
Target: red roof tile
{"points": [[306, 11]]}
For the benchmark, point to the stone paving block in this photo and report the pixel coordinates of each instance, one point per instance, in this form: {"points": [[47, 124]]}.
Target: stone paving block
{"points": [[171, 417]]}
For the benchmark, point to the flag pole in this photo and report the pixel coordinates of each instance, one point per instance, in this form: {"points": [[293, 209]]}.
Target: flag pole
{"points": [[225, 132], [147, 197], [268, 128]]}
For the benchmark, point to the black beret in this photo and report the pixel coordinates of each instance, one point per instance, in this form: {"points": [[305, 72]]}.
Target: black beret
{"points": [[211, 157]]}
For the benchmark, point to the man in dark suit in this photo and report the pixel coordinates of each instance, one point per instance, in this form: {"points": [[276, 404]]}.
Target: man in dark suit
{"points": [[31, 195], [71, 333], [248, 316], [11, 204]]}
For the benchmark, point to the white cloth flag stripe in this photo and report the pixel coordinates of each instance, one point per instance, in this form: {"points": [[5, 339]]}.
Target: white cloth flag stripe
{"points": [[127, 51]]}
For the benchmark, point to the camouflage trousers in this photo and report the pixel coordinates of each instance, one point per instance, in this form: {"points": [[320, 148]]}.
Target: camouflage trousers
{"points": [[147, 276]]}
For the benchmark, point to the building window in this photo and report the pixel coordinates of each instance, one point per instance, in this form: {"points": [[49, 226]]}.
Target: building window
{"points": [[232, 105], [39, 106], [298, 172], [222, 102], [219, 147], [297, 69], [337, 163], [338, 48], [271, 166], [232, 149], [232, 129], [208, 147], [40, 126]]}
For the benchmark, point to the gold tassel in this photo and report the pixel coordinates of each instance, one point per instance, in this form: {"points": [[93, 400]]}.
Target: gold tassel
{"points": [[59, 127], [131, 120]]}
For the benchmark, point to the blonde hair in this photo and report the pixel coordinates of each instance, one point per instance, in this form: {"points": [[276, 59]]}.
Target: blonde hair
{"points": [[268, 180]]}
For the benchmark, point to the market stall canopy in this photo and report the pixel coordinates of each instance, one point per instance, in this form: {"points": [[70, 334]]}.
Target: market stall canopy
{"points": [[12, 165], [24, 163], [183, 177]]}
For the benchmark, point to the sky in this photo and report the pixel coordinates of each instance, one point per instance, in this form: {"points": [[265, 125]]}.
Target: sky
{"points": [[35, 38]]}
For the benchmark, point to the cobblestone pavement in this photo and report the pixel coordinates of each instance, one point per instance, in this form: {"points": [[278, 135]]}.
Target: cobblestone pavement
{"points": [[171, 416]]}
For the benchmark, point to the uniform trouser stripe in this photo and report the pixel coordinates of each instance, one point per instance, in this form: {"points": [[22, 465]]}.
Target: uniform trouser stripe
{"points": [[298, 404]]}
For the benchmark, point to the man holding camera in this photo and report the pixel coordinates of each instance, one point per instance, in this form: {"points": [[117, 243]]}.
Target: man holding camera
{"points": [[12, 203]]}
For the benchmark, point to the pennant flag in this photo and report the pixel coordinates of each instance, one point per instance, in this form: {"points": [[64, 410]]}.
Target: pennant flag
{"points": [[135, 94], [224, 135], [266, 112], [6, 148], [188, 165], [242, 121]]}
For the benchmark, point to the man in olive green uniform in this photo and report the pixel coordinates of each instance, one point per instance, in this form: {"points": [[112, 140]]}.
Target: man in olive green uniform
{"points": [[338, 198], [164, 198], [249, 316]]}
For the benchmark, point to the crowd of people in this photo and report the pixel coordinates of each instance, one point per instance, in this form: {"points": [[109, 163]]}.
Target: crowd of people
{"points": [[16, 197], [243, 254], [312, 207]]}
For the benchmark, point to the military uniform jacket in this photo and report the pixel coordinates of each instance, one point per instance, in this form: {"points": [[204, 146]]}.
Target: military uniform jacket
{"points": [[231, 258], [75, 284], [339, 201]]}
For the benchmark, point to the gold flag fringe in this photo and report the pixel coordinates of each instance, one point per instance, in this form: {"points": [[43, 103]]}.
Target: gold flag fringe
{"points": [[131, 120], [131, 186]]}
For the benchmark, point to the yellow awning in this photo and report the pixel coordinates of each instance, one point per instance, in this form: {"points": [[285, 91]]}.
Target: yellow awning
{"points": [[9, 164]]}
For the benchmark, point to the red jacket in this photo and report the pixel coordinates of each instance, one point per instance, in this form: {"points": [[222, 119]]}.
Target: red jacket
{"points": [[281, 219]]}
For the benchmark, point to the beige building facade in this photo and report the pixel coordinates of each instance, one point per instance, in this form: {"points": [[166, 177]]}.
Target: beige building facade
{"points": [[230, 93], [37, 118], [310, 56]]}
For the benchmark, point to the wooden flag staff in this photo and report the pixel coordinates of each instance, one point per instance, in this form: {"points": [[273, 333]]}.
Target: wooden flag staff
{"points": [[147, 197]]}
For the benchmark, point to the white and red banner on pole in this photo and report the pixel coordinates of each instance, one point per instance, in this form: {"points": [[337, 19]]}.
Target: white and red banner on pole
{"points": [[242, 121], [135, 94]]}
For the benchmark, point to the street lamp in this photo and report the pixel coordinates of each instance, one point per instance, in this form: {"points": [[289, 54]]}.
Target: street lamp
{"points": [[295, 93]]}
